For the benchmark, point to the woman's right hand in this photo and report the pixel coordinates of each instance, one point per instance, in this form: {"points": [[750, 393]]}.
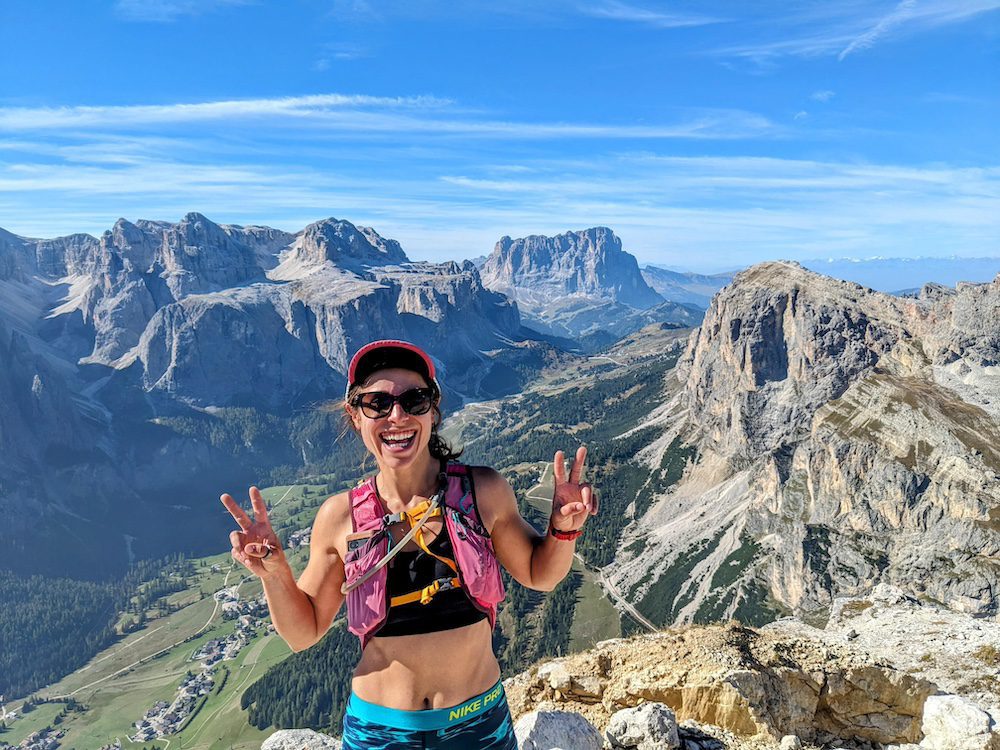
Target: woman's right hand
{"points": [[255, 545]]}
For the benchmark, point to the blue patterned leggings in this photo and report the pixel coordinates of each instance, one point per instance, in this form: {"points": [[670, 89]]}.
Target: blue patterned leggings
{"points": [[480, 723]]}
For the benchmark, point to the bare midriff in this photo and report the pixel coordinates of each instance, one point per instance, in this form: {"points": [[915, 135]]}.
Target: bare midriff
{"points": [[427, 670]]}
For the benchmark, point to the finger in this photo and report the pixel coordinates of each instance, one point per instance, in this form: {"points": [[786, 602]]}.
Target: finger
{"points": [[259, 506], [240, 558], [238, 514], [559, 467], [570, 509], [576, 473], [587, 493], [237, 539]]}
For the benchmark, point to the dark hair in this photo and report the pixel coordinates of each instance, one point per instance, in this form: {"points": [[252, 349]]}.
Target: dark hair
{"points": [[439, 447]]}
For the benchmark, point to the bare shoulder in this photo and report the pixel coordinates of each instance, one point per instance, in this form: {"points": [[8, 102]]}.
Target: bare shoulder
{"points": [[488, 480], [333, 521], [494, 496]]}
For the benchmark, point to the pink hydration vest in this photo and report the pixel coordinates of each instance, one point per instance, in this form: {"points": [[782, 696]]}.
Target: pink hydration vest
{"points": [[478, 570]]}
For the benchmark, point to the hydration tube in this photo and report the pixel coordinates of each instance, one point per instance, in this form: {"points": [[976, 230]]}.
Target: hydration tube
{"points": [[435, 501]]}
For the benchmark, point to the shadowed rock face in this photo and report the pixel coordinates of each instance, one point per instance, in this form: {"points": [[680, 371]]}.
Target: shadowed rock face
{"points": [[846, 437], [774, 346]]}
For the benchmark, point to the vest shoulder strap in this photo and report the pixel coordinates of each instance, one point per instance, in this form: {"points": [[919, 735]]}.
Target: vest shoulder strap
{"points": [[366, 510]]}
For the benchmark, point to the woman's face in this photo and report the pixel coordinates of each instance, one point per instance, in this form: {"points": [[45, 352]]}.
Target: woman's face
{"points": [[399, 438]]}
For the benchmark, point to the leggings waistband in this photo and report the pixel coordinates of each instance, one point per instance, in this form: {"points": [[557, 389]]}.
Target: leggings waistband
{"points": [[427, 720]]}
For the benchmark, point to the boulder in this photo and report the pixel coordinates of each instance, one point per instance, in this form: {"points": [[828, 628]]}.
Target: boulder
{"points": [[300, 739], [790, 742], [651, 726], [955, 723], [555, 675], [556, 730]]}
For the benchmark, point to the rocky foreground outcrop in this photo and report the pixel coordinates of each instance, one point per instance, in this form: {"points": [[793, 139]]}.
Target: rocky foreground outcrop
{"points": [[887, 672], [862, 682], [749, 683]]}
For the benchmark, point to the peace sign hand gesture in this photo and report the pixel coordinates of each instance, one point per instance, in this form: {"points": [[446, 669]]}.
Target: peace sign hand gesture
{"points": [[572, 500], [255, 545]]}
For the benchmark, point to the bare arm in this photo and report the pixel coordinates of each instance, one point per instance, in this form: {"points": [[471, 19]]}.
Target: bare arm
{"points": [[301, 611], [537, 561]]}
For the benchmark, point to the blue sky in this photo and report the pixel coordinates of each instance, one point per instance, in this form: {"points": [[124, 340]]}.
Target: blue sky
{"points": [[708, 135]]}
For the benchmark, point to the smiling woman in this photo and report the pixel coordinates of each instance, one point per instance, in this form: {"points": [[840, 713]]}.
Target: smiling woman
{"points": [[415, 550]]}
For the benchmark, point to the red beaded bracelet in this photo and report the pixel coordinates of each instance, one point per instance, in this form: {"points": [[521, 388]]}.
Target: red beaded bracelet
{"points": [[564, 536]]}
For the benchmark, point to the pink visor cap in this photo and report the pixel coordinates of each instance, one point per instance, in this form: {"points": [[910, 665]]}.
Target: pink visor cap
{"points": [[380, 355]]}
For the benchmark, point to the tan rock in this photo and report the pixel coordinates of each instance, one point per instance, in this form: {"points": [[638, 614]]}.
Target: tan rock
{"points": [[754, 685]]}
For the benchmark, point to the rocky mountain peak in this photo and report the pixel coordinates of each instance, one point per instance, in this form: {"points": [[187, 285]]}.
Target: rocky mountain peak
{"points": [[14, 256], [344, 244], [587, 262], [194, 217], [775, 345]]}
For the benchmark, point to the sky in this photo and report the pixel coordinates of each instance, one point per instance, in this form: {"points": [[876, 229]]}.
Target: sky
{"points": [[708, 135]]}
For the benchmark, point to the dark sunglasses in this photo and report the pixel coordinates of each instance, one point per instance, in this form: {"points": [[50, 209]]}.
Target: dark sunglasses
{"points": [[377, 404]]}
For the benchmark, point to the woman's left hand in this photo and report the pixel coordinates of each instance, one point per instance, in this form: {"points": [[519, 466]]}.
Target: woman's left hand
{"points": [[572, 500]]}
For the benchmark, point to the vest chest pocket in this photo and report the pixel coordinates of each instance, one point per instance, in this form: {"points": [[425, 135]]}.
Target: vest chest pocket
{"points": [[366, 605], [476, 559]]}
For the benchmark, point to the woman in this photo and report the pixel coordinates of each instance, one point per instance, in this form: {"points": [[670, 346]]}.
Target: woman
{"points": [[414, 549]]}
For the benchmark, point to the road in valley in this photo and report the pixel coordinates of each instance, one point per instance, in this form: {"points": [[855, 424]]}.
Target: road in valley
{"points": [[544, 503]]}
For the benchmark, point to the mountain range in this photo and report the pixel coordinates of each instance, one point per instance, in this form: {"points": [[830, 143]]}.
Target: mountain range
{"points": [[128, 356], [770, 441]]}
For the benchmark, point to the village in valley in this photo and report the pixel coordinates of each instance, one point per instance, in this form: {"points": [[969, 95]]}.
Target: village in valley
{"points": [[164, 718], [197, 618]]}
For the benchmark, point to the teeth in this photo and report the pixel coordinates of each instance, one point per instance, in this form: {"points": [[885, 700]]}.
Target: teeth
{"points": [[398, 437]]}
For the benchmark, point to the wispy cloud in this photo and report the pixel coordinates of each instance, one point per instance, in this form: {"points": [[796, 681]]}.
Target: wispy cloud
{"points": [[902, 13], [28, 118], [164, 11], [846, 28], [369, 116], [340, 52], [723, 210], [824, 95], [620, 11]]}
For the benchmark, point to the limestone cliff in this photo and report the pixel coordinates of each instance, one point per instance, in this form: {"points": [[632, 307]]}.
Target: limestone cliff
{"points": [[846, 437], [579, 283]]}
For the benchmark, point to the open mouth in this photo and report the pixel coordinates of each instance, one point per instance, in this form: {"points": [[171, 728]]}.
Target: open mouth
{"points": [[398, 441]]}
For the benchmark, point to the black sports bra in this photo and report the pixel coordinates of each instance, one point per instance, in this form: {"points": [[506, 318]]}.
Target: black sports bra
{"points": [[412, 570]]}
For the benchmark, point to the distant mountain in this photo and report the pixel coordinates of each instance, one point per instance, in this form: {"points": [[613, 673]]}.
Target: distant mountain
{"points": [[685, 287], [578, 284], [161, 361], [898, 276], [895, 275]]}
